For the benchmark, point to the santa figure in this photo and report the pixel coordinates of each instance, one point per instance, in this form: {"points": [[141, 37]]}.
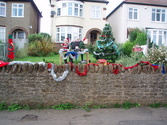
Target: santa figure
{"points": [[65, 45]]}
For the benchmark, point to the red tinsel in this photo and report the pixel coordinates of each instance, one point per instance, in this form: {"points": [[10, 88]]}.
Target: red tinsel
{"points": [[81, 74], [3, 63]]}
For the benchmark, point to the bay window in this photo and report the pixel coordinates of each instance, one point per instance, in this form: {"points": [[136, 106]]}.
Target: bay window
{"points": [[72, 33]]}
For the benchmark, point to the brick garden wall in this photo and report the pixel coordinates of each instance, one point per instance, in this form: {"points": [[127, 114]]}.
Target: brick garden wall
{"points": [[33, 84]]}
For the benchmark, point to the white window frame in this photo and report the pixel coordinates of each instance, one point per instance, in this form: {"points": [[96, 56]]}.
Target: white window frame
{"points": [[95, 12], [158, 36], [134, 12], [67, 32], [17, 9], [1, 8], [69, 9], [3, 34], [161, 13]]}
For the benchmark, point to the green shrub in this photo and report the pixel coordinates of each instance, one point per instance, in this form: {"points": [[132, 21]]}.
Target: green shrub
{"points": [[34, 37], [128, 48], [65, 106], [157, 55], [141, 38], [21, 53], [131, 60], [138, 36], [3, 106], [41, 48], [133, 34]]}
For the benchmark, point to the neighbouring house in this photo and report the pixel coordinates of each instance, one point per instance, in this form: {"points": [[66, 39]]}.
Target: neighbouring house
{"points": [[20, 18], [150, 15], [73, 19]]}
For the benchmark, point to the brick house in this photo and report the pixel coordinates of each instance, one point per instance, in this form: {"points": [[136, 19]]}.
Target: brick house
{"points": [[148, 14], [77, 19], [20, 18]]}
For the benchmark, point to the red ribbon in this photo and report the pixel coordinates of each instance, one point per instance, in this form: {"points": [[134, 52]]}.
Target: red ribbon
{"points": [[81, 74], [3, 63]]}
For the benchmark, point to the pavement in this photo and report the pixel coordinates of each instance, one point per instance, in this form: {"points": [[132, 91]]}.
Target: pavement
{"points": [[113, 116]]}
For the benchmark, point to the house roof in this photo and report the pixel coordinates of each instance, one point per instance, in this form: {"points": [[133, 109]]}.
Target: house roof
{"points": [[32, 2], [149, 2], [161, 3], [100, 1]]}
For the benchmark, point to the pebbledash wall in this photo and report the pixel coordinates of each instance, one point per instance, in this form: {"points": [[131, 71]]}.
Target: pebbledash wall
{"points": [[32, 84]]}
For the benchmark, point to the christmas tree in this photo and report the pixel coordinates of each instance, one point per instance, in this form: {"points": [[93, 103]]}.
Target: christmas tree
{"points": [[106, 47]]}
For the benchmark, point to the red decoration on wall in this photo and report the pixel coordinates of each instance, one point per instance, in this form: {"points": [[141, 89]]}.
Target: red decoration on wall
{"points": [[10, 47], [3, 63]]}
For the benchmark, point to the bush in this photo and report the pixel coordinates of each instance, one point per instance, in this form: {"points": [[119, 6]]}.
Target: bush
{"points": [[128, 48], [34, 37], [23, 52], [157, 55], [141, 38], [133, 59], [41, 48], [138, 36], [133, 34]]}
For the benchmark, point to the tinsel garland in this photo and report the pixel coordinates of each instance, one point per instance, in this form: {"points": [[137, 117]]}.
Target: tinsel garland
{"points": [[60, 78], [26, 62], [103, 46]]}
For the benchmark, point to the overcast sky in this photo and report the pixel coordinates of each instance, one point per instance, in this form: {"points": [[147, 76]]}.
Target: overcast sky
{"points": [[44, 6]]}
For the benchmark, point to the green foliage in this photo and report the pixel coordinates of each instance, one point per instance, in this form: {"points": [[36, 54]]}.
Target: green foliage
{"points": [[131, 60], [41, 48], [157, 55], [34, 37], [3, 106], [138, 36], [45, 35], [48, 61], [21, 53], [128, 105], [65, 106], [116, 105], [141, 39], [82, 45], [133, 34], [128, 48], [14, 107], [91, 48], [155, 105]]}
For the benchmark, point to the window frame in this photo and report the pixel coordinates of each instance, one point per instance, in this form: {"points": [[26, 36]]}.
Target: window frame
{"points": [[96, 12], [158, 36], [133, 11], [68, 32], [70, 9], [3, 34], [17, 9], [1, 7], [161, 14]]}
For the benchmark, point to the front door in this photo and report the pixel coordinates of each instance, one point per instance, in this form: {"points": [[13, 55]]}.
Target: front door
{"points": [[19, 38]]}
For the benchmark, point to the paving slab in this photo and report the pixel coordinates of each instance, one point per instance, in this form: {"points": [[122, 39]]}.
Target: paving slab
{"points": [[143, 122], [113, 116]]}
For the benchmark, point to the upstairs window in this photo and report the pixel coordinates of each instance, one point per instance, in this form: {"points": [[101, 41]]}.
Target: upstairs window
{"points": [[2, 34], [2, 9], [133, 14], [17, 10], [95, 12], [70, 9], [158, 15]]}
